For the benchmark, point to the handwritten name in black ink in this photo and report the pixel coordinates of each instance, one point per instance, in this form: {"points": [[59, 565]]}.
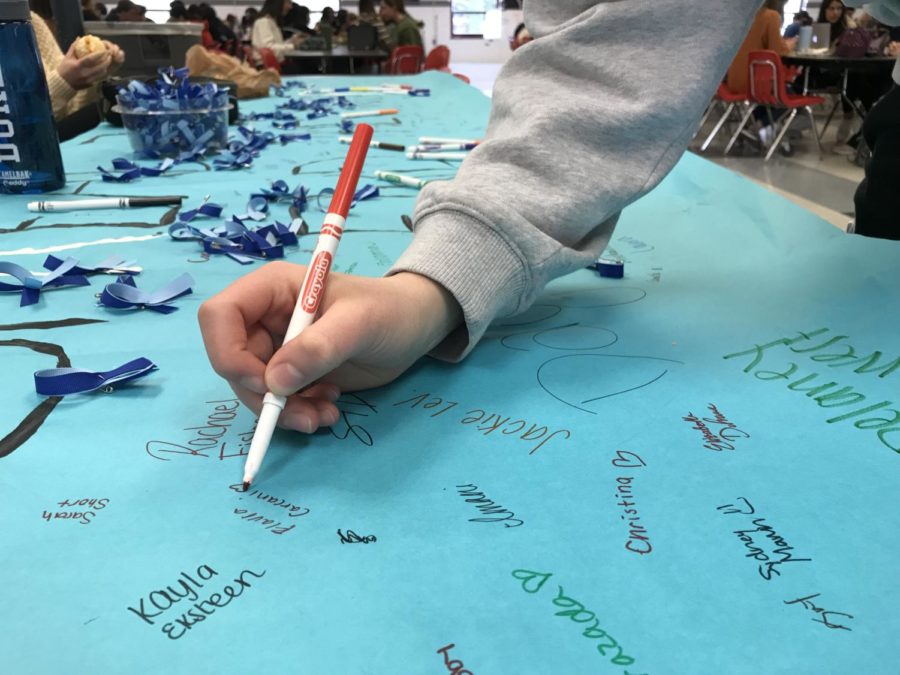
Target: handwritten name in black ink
{"points": [[350, 537], [459, 668], [208, 439], [273, 526], [762, 541], [488, 423], [832, 394], [723, 433], [823, 615], [353, 406], [151, 607], [487, 507], [532, 582], [638, 539], [81, 516], [259, 498]]}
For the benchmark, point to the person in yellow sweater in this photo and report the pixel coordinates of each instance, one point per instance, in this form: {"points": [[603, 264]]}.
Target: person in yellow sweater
{"points": [[73, 81]]}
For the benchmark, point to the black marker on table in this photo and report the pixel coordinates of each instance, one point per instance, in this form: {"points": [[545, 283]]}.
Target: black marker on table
{"points": [[376, 144], [104, 203]]}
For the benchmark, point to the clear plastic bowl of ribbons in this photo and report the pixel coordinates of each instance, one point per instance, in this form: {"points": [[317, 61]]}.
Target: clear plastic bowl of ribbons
{"points": [[174, 116]]}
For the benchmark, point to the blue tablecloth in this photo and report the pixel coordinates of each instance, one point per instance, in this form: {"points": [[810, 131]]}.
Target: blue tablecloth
{"points": [[687, 470]]}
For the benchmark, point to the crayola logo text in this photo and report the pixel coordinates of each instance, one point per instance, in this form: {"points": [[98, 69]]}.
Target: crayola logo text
{"points": [[315, 284]]}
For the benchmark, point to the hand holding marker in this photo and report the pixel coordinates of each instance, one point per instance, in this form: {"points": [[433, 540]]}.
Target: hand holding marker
{"points": [[313, 289]]}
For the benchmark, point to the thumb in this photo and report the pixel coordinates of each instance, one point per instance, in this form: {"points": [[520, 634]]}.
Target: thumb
{"points": [[331, 341]]}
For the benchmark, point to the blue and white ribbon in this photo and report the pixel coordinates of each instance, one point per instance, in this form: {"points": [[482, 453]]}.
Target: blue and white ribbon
{"points": [[114, 264], [366, 192], [172, 91], [280, 191], [31, 286], [65, 381], [240, 243], [124, 294], [131, 171], [207, 208]]}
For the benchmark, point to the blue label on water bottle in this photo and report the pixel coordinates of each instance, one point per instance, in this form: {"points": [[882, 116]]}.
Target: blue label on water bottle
{"points": [[30, 160]]}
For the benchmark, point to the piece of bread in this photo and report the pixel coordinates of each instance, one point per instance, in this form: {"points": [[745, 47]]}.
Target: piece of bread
{"points": [[88, 44]]}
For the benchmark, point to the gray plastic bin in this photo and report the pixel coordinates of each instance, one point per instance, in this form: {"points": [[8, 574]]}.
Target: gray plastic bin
{"points": [[148, 46]]}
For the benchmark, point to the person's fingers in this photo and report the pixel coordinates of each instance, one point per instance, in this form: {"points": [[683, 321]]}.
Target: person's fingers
{"points": [[248, 397], [227, 346], [226, 318], [304, 412], [94, 59], [112, 48], [323, 390], [337, 336]]}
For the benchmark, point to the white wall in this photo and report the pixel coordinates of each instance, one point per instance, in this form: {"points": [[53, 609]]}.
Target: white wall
{"points": [[464, 50]]}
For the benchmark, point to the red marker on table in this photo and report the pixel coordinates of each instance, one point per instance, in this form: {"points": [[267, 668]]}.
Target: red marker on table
{"points": [[312, 290]]}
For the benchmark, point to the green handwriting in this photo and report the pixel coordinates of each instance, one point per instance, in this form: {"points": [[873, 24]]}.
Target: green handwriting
{"points": [[831, 394], [532, 582]]}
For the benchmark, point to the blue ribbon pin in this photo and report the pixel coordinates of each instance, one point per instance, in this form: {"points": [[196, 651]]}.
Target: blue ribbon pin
{"points": [[124, 294], [31, 286], [65, 381]]}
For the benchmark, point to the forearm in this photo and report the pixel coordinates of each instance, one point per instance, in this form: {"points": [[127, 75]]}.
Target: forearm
{"points": [[585, 119]]}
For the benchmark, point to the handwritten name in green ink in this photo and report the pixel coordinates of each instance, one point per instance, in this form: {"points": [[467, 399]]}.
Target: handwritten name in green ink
{"points": [[532, 582], [832, 394]]}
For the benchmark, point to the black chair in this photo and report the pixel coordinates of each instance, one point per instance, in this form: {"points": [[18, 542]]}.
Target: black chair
{"points": [[83, 119], [362, 37]]}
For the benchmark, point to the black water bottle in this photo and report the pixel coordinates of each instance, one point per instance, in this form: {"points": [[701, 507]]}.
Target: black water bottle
{"points": [[30, 160]]}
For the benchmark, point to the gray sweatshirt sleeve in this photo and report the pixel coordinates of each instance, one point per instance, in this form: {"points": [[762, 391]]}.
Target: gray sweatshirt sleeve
{"points": [[585, 119]]}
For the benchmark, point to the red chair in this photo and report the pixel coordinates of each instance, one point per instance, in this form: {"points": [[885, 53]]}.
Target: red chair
{"points": [[724, 97], [405, 60], [438, 59], [768, 87], [269, 60]]}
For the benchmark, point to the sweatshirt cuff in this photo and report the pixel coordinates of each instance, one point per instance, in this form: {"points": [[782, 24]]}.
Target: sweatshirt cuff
{"points": [[897, 71], [477, 265]]}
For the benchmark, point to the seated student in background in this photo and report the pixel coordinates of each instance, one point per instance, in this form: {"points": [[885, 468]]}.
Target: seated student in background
{"points": [[367, 15], [865, 87], [267, 29], [247, 21], [177, 12], [835, 13], [297, 20], [220, 32], [800, 19], [126, 10], [765, 33], [520, 37], [406, 30], [326, 19], [89, 11], [73, 82]]}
